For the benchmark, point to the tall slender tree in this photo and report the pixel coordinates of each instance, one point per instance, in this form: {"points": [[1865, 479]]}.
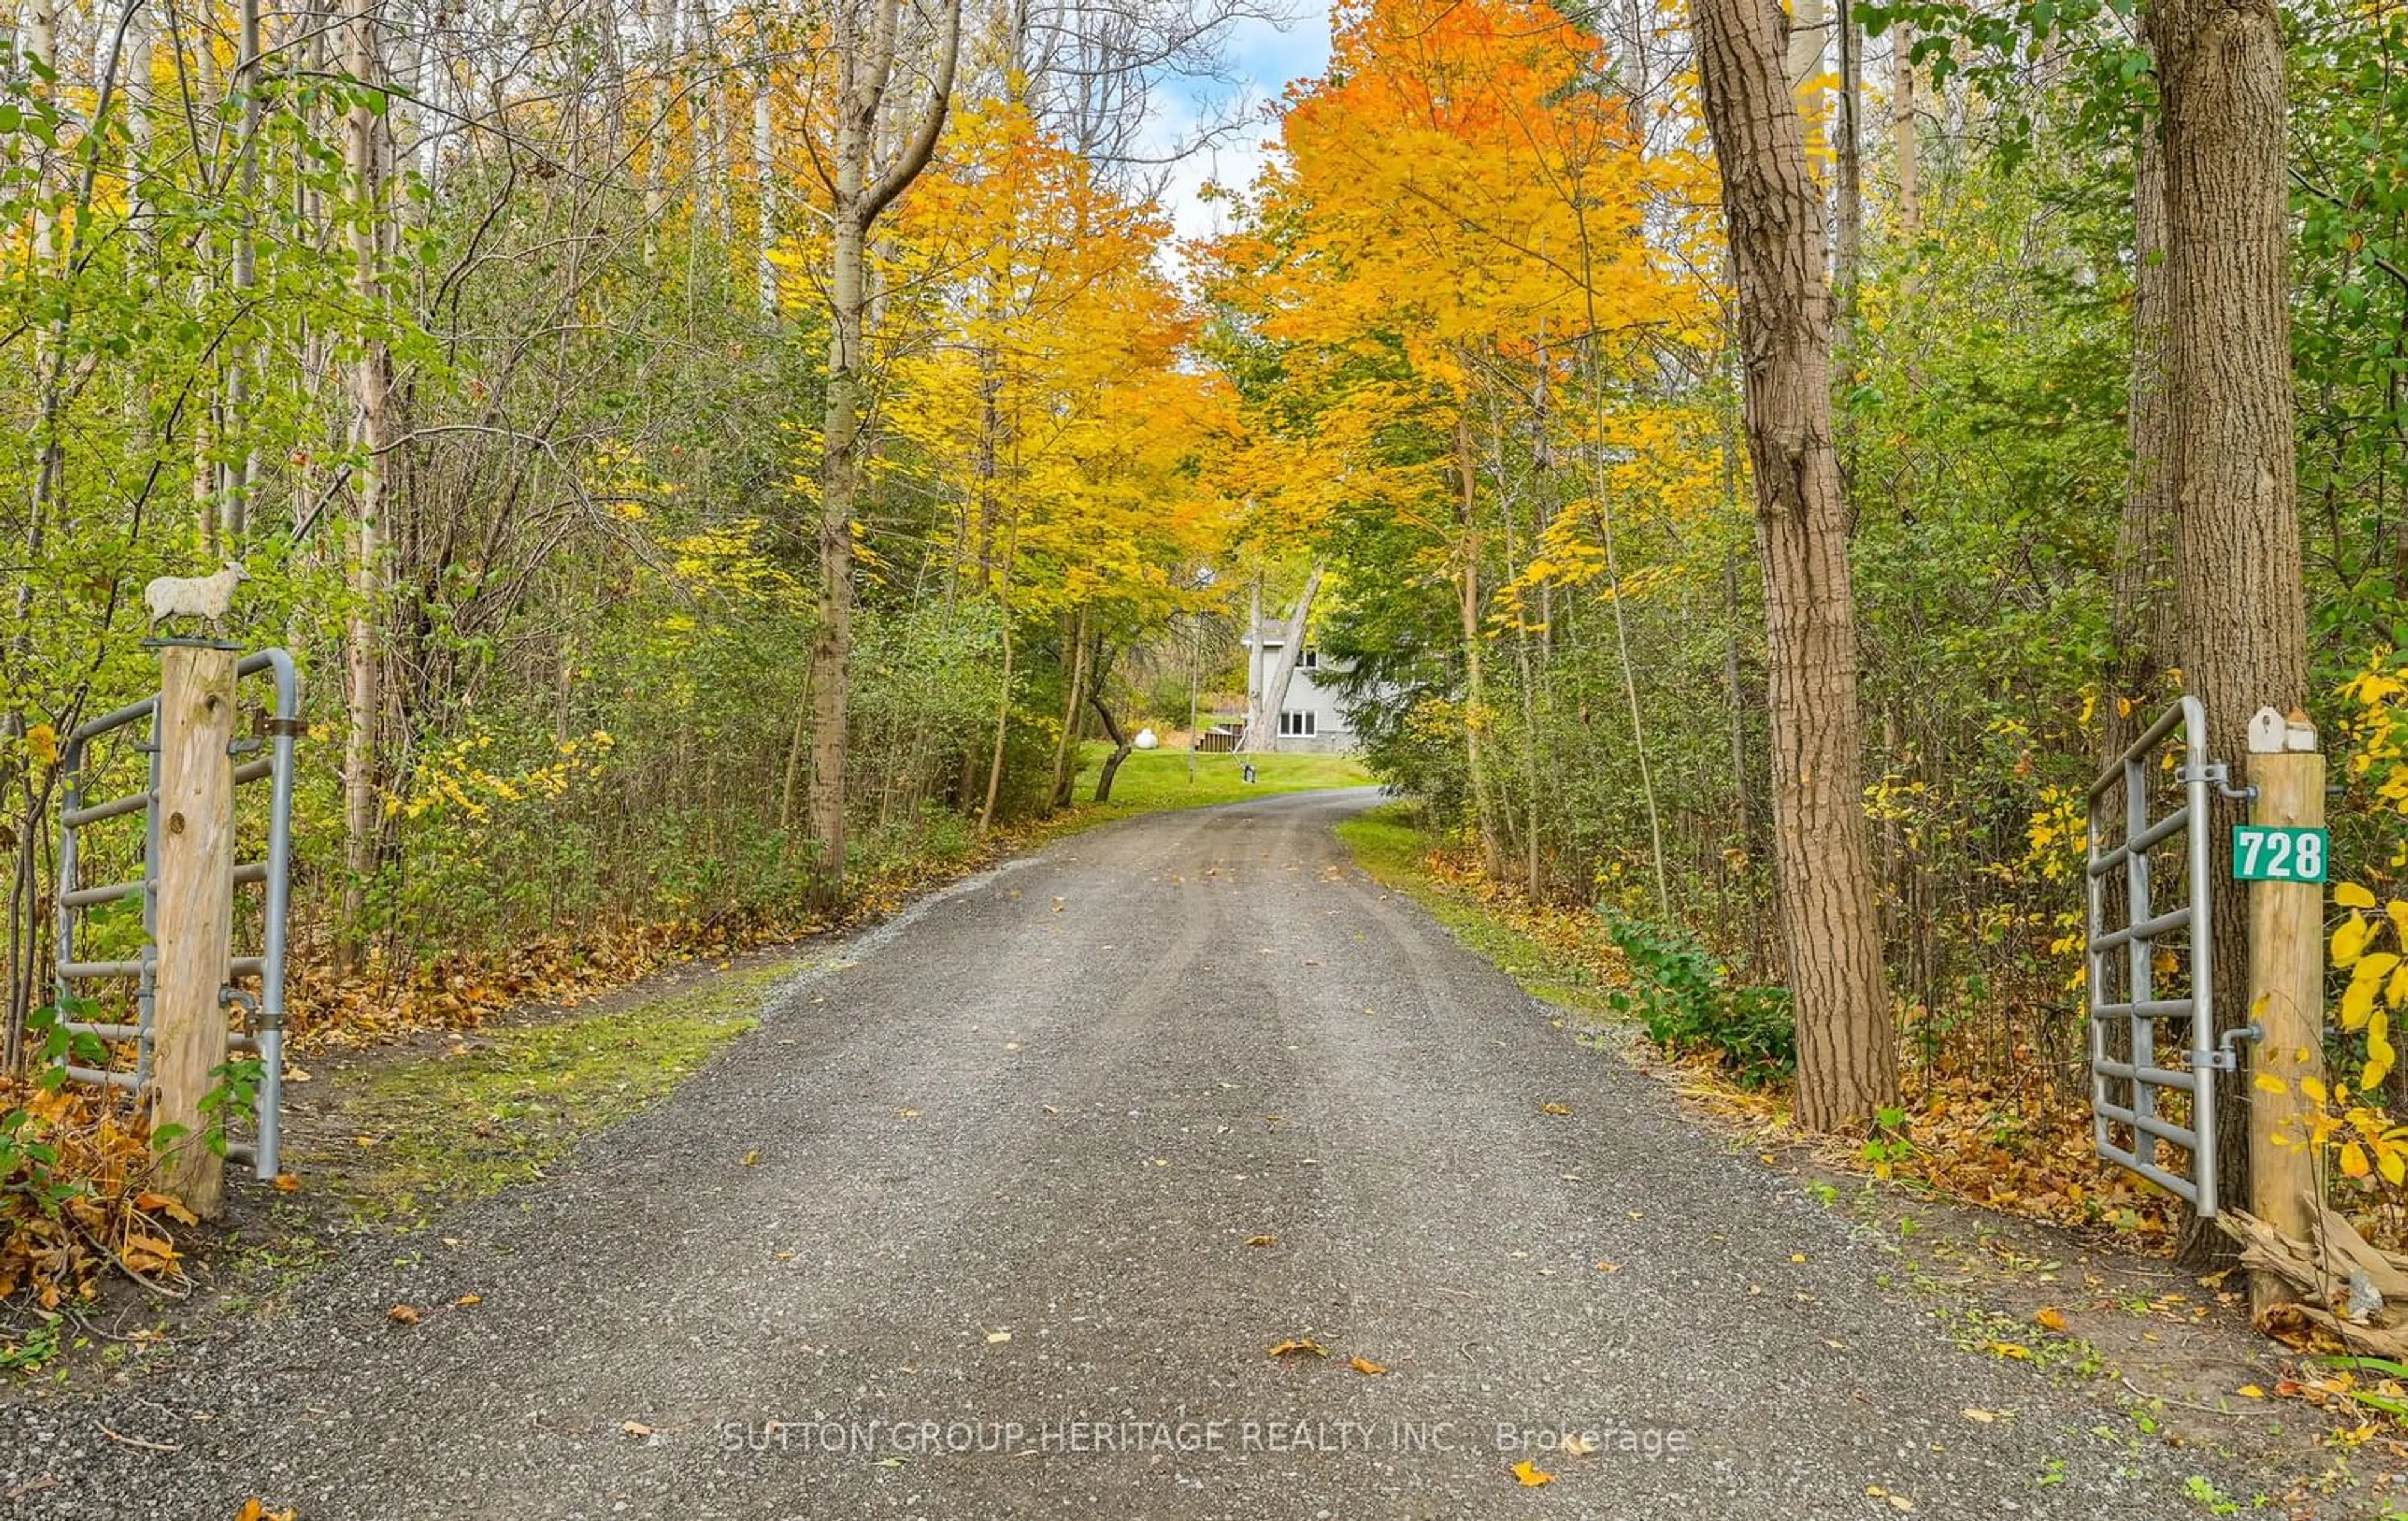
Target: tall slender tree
{"points": [[871, 44]]}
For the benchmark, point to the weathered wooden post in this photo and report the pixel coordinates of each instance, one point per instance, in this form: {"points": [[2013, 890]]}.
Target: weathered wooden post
{"points": [[195, 923], [2281, 853]]}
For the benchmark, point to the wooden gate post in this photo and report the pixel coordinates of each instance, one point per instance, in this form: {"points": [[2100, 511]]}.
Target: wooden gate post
{"points": [[195, 923], [2286, 973]]}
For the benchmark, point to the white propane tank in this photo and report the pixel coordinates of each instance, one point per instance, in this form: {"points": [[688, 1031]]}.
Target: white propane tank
{"points": [[1145, 740]]}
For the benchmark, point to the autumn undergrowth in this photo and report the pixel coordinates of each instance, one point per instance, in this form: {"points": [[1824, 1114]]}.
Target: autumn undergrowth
{"points": [[481, 1116]]}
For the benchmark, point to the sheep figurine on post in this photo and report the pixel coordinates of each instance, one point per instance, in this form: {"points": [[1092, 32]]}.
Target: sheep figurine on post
{"points": [[206, 597]]}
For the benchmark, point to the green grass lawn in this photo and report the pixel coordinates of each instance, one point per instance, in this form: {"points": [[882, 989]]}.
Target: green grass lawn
{"points": [[1151, 781]]}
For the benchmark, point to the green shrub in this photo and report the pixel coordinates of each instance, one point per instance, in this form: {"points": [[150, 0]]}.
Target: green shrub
{"points": [[1688, 1003]]}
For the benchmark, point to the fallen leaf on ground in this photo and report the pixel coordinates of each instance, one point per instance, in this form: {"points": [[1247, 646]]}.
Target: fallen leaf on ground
{"points": [[752, 1157], [2011, 1349], [1530, 1475], [994, 1337], [402, 1313], [2050, 1320], [1605, 1266], [2251, 1391], [287, 1184], [1553, 1107], [1262, 1241], [1972, 1412], [255, 1509], [1301, 1345], [1578, 1444], [635, 1428], [1365, 1366], [169, 1204], [464, 1300]]}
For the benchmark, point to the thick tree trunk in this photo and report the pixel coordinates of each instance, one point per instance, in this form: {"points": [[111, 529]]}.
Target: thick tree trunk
{"points": [[2229, 394], [1847, 1049]]}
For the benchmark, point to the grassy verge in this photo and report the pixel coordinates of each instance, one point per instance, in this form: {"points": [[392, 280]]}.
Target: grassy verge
{"points": [[1154, 781], [479, 1117], [1544, 954]]}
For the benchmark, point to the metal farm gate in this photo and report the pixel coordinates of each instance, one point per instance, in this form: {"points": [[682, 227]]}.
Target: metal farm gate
{"points": [[2129, 1078], [263, 1011]]}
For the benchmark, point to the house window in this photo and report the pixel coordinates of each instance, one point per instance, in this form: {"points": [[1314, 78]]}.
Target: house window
{"points": [[1296, 724], [1310, 660]]}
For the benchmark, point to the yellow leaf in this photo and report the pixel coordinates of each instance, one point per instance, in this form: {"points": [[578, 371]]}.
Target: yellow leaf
{"points": [[2269, 1083], [1529, 1476], [1554, 1108], [2380, 1057], [2314, 1088], [1262, 1241], [2349, 895], [402, 1315], [2050, 1320], [43, 741], [1300, 1347], [2393, 1164], [2011, 1349], [1365, 1366], [2349, 940], [2353, 1160], [2250, 1391]]}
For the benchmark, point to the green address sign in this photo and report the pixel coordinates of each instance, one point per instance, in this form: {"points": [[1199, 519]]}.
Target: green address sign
{"points": [[2277, 853]]}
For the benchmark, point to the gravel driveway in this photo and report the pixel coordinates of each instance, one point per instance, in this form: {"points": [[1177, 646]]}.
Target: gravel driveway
{"points": [[1044, 1173]]}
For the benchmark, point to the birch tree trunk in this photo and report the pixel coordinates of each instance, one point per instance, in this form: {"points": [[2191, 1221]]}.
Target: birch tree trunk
{"points": [[1847, 1051], [371, 435], [2228, 396]]}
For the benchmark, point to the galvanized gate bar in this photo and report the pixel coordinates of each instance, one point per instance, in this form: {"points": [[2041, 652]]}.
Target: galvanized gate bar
{"points": [[267, 1038], [2142, 926]]}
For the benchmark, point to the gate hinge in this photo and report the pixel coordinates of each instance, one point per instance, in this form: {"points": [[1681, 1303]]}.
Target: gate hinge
{"points": [[2223, 1060], [2219, 775]]}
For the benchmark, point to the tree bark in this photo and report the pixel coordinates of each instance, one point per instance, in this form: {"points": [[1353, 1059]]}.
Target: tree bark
{"points": [[371, 384], [1271, 697], [1475, 684], [1847, 1049], [2228, 360], [1066, 746], [868, 61], [1121, 744]]}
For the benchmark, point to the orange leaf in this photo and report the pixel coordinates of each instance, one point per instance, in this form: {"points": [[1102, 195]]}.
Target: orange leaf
{"points": [[1529, 1474]]}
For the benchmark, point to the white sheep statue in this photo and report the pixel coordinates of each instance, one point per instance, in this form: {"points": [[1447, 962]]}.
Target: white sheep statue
{"points": [[204, 597]]}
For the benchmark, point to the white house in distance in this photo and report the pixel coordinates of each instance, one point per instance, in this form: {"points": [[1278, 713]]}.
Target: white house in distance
{"points": [[1309, 718]]}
